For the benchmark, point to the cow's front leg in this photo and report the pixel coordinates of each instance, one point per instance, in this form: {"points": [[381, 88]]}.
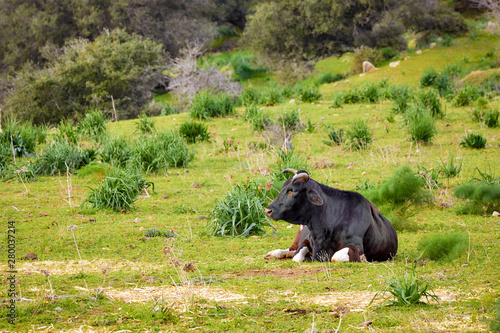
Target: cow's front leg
{"points": [[279, 254], [350, 253]]}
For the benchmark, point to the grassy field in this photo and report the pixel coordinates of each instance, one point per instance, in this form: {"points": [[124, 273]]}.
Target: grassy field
{"points": [[106, 275]]}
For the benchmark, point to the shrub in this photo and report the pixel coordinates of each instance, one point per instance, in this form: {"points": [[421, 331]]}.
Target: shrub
{"points": [[491, 118], [444, 247], [21, 138], [447, 40], [428, 77], [145, 125], [93, 124], [309, 94], [358, 135], [250, 96], [365, 53], [62, 157], [290, 121], [429, 99], [338, 101], [408, 289], [160, 151], [336, 137], [401, 188], [168, 109], [255, 116], [119, 190], [272, 96], [482, 197], [351, 97], [420, 124], [369, 93], [66, 132], [327, 77], [451, 168], [388, 52], [193, 131], [206, 105], [466, 95], [400, 95], [116, 151], [240, 213], [472, 140]]}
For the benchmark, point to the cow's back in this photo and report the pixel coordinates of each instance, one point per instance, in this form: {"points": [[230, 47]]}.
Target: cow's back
{"points": [[381, 241]]}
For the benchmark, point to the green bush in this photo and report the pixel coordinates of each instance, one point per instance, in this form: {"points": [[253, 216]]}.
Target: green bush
{"points": [[145, 125], [365, 53], [327, 77], [472, 140], [401, 96], [93, 124], [21, 138], [309, 94], [336, 137], [388, 52], [66, 132], [255, 116], [443, 247], [240, 213], [206, 105], [491, 118], [369, 93], [193, 131], [272, 96], [62, 157], [168, 109], [466, 95], [447, 40], [290, 120], [116, 151], [482, 197], [160, 151], [358, 135], [428, 77], [118, 191], [401, 188], [251, 96], [420, 124], [429, 99], [451, 168]]}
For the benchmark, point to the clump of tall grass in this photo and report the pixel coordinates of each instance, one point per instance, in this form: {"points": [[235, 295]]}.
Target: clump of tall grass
{"points": [[255, 116], [481, 197], [285, 160], [466, 95], [206, 105], [160, 151], [115, 151], [240, 213], [473, 140], [63, 157], [93, 124], [250, 96], [444, 247], [118, 191], [369, 93], [358, 135], [309, 93], [145, 125], [272, 96], [22, 138], [290, 120], [336, 136], [401, 95], [168, 109], [66, 132], [429, 99], [419, 124], [491, 118], [450, 168], [407, 289], [193, 131]]}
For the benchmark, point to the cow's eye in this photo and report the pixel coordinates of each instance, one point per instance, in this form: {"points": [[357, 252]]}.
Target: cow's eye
{"points": [[292, 191]]}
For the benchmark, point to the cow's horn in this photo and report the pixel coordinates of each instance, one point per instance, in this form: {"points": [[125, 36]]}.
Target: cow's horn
{"points": [[303, 175], [289, 170]]}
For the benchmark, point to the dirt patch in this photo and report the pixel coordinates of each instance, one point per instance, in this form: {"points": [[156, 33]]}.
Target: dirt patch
{"points": [[180, 296], [71, 267], [284, 272]]}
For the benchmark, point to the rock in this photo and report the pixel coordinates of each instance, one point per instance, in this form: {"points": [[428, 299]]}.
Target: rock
{"points": [[368, 67], [394, 63], [491, 27], [164, 196], [92, 219], [42, 213], [58, 309], [137, 220], [419, 52], [141, 229], [131, 246], [196, 185], [495, 213], [431, 45], [406, 58], [201, 218], [30, 256], [292, 100], [365, 323]]}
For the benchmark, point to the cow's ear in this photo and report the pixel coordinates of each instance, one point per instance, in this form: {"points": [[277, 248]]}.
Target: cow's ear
{"points": [[314, 198]]}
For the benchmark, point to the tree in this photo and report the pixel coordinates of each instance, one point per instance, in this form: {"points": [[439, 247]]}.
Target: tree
{"points": [[117, 68], [493, 6]]}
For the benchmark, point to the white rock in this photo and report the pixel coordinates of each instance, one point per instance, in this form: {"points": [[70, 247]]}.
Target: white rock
{"points": [[394, 63], [495, 213]]}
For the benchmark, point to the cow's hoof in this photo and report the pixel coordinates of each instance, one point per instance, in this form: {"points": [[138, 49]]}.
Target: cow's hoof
{"points": [[341, 255], [276, 254], [299, 257]]}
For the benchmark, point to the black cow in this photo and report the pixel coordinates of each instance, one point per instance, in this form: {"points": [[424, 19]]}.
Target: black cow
{"points": [[343, 225]]}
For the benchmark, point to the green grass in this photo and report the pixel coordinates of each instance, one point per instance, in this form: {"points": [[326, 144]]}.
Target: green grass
{"points": [[237, 290]]}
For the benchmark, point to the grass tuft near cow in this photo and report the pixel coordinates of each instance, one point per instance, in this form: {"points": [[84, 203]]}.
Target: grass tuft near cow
{"points": [[335, 225]]}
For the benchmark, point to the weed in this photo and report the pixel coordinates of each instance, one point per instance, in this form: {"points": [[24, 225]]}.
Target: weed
{"points": [[309, 94], [272, 96], [168, 109], [290, 121], [428, 77], [491, 118], [228, 145], [255, 116], [93, 124], [466, 95], [358, 134], [473, 140], [400, 95], [144, 125], [327, 77], [250, 96], [66, 132], [407, 289], [486, 178], [159, 233], [206, 105], [161, 151], [369, 93], [482, 197], [336, 137], [420, 124], [430, 176], [240, 213], [338, 101], [451, 168], [163, 312], [193, 131], [447, 40], [310, 127], [443, 247], [118, 191], [62, 156], [429, 99], [116, 151]]}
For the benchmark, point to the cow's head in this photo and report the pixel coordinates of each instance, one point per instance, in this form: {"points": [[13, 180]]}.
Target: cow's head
{"points": [[297, 198]]}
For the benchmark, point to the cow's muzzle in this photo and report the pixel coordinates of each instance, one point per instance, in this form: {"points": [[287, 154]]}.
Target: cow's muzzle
{"points": [[269, 212]]}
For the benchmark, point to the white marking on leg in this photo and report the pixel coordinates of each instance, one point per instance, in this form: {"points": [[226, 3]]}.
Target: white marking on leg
{"points": [[341, 255], [276, 254], [299, 257]]}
